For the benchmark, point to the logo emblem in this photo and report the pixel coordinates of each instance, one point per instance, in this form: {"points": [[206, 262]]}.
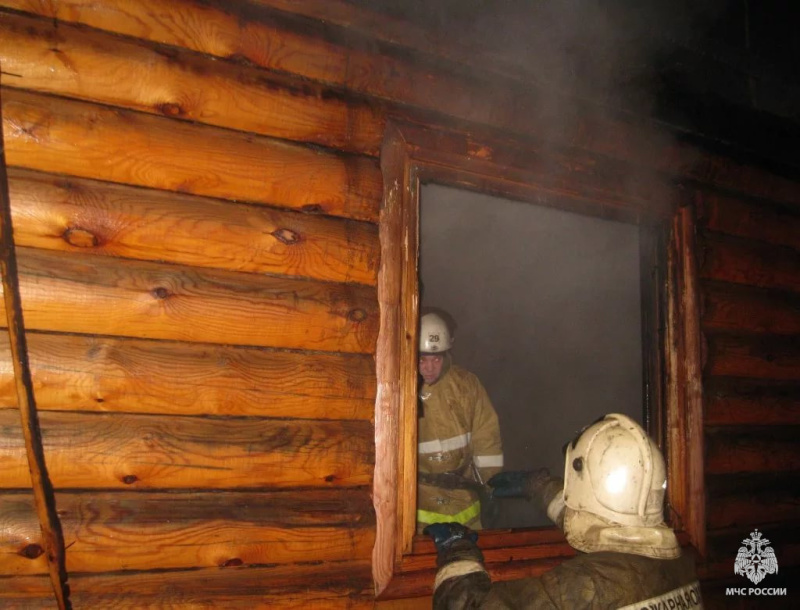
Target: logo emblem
{"points": [[755, 560]]}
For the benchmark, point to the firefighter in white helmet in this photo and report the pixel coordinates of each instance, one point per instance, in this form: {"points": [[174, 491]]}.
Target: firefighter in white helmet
{"points": [[610, 505], [458, 432]]}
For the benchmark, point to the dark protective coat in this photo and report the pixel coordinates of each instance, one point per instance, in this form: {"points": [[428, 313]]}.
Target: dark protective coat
{"points": [[589, 581]]}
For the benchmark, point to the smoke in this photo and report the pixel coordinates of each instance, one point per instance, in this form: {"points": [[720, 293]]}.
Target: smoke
{"points": [[548, 303], [548, 310], [609, 56]]}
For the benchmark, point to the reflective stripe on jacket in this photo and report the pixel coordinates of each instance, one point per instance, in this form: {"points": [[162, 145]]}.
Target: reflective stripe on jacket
{"points": [[458, 433]]}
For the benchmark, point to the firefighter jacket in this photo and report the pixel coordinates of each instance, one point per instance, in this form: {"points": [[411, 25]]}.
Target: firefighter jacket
{"points": [[458, 434], [589, 581], [599, 580]]}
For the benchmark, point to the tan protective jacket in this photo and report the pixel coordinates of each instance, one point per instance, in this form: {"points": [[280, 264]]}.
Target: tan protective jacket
{"points": [[458, 433]]}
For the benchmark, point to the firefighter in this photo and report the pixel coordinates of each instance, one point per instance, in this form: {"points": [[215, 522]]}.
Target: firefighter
{"points": [[458, 432], [610, 506]]}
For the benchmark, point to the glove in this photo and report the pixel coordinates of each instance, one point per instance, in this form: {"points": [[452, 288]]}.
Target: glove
{"points": [[445, 534], [518, 484], [453, 542]]}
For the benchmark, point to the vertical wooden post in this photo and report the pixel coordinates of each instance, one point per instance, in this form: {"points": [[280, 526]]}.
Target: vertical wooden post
{"points": [[386, 496], [685, 441], [693, 363], [44, 499]]}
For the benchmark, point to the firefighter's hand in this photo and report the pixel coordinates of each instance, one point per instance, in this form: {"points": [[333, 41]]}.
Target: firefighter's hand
{"points": [[518, 484], [454, 542], [445, 534]]}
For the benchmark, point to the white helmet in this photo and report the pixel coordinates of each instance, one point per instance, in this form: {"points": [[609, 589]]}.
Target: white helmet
{"points": [[434, 336], [615, 471]]}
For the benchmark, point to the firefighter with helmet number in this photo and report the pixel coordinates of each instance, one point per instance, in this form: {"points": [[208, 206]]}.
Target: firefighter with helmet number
{"points": [[458, 433], [610, 506]]}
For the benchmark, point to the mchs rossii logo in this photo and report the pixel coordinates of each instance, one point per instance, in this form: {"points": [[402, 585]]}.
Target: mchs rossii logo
{"points": [[754, 561]]}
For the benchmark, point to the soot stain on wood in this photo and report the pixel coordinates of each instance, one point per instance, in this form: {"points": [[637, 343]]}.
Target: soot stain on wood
{"points": [[286, 236], [80, 238]]}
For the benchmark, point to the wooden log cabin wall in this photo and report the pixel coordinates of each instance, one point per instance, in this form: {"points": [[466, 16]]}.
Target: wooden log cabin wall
{"points": [[196, 188]]}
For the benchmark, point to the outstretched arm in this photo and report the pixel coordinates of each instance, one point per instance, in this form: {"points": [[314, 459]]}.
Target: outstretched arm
{"points": [[537, 486], [461, 581]]}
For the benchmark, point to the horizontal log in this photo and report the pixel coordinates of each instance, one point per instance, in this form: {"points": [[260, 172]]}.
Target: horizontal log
{"points": [[76, 373], [75, 215], [539, 173], [91, 65], [747, 500], [12, 442], [340, 56], [753, 484], [740, 261], [754, 449], [760, 221], [313, 585], [735, 308], [733, 402], [766, 357], [784, 539], [498, 556], [88, 294], [747, 512], [21, 543], [504, 540], [420, 583], [502, 563], [26, 592], [155, 531], [91, 141], [238, 33], [254, 35], [511, 96], [90, 450]]}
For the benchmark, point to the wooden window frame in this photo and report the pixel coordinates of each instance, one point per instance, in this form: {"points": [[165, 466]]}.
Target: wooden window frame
{"points": [[413, 155]]}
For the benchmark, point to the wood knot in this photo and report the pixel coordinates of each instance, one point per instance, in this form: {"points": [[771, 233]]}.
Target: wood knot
{"points": [[232, 563], [286, 236], [312, 208], [357, 315], [80, 238], [330, 478], [130, 479], [170, 109], [160, 292], [32, 551]]}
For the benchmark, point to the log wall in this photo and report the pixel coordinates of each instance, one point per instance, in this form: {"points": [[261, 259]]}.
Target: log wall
{"points": [[749, 267], [198, 255], [196, 190]]}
